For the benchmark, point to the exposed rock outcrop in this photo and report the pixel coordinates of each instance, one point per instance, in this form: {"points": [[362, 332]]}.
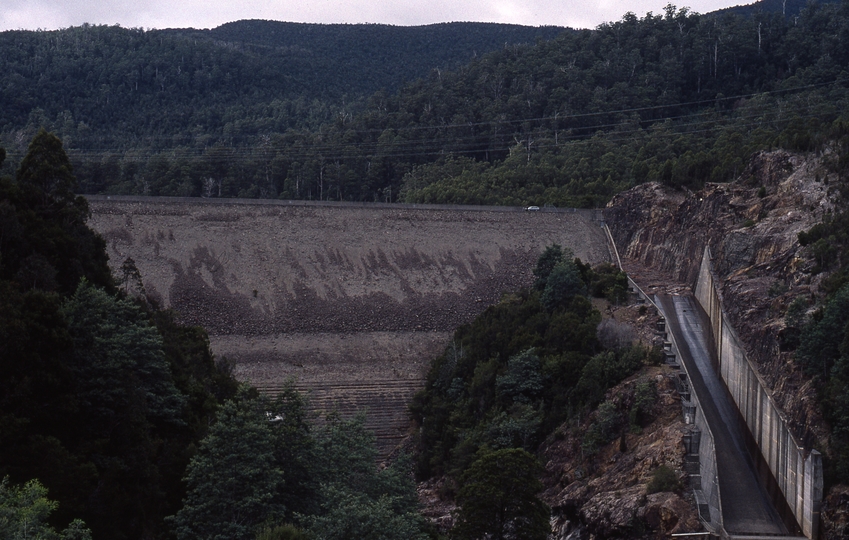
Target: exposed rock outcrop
{"points": [[751, 226], [605, 495]]}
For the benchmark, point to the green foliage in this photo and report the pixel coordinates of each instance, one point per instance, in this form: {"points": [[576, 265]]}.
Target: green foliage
{"points": [[605, 370], [569, 120], [261, 464], [523, 380], [47, 180], [551, 256], [109, 402], [118, 358], [819, 348], [606, 426], [823, 337], [777, 288], [563, 283], [131, 279], [517, 372], [824, 353], [663, 479], [357, 500], [44, 240], [350, 514], [282, 532], [498, 498], [794, 320], [606, 281], [24, 511], [645, 399], [827, 241], [795, 316], [102, 398], [234, 477], [516, 427]]}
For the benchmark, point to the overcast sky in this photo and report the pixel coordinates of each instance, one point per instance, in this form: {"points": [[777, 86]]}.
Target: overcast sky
{"points": [[53, 14]]}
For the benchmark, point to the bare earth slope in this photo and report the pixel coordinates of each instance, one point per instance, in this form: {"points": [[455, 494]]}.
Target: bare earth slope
{"points": [[352, 300]]}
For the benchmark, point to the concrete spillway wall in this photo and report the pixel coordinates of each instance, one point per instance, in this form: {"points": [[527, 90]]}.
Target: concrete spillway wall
{"points": [[797, 471], [701, 463], [700, 444]]}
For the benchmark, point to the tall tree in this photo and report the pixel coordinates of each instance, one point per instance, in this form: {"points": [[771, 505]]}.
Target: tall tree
{"points": [[24, 511], [234, 478], [50, 247], [499, 500], [89, 401], [357, 500]]}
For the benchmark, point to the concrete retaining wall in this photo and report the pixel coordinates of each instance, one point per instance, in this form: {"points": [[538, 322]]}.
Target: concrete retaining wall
{"points": [[700, 445], [797, 471], [708, 472]]}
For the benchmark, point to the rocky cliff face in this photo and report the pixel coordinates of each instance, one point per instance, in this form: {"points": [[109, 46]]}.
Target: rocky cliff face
{"points": [[751, 226], [750, 223], [606, 496]]}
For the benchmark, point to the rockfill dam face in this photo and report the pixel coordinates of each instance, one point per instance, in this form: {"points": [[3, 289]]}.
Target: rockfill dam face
{"points": [[351, 300]]}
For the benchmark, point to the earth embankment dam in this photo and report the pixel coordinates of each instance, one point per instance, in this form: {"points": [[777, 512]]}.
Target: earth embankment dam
{"points": [[350, 300]]}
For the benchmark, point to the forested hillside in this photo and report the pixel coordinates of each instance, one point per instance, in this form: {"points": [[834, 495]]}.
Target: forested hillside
{"points": [[788, 8], [119, 413], [678, 97], [112, 89], [338, 60]]}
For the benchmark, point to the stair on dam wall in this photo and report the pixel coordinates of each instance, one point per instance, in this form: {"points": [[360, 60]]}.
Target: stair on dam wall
{"points": [[384, 403]]}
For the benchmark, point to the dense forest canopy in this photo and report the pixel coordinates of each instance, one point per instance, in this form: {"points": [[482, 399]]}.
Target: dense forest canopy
{"points": [[676, 97], [96, 83], [353, 60], [101, 395], [788, 8]]}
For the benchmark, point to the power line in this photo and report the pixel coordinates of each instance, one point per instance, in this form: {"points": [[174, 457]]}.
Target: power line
{"points": [[430, 146], [437, 146]]}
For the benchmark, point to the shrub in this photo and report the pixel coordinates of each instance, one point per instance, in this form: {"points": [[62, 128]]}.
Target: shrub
{"points": [[282, 532], [777, 288], [655, 356], [604, 428], [613, 334], [663, 479], [644, 401]]}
